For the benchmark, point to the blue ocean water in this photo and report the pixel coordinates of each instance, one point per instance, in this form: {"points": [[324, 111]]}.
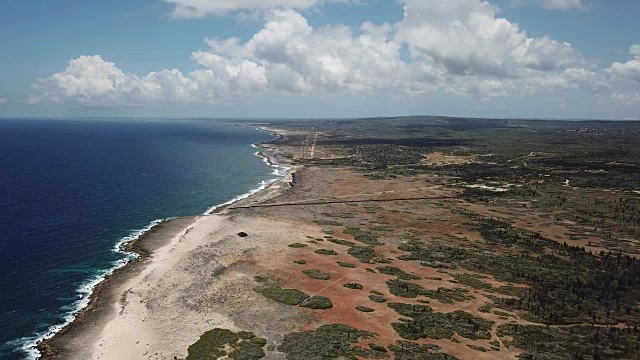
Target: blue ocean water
{"points": [[70, 190]]}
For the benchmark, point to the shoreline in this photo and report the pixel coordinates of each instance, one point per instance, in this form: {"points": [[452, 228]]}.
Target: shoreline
{"points": [[138, 250]]}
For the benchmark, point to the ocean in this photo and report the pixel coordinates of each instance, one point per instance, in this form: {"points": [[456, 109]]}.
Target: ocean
{"points": [[72, 190]]}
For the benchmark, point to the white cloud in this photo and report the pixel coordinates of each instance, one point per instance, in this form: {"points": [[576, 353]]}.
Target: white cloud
{"points": [[468, 38], [629, 70], [458, 46], [562, 4], [186, 9], [3, 100], [626, 98], [201, 8], [550, 4]]}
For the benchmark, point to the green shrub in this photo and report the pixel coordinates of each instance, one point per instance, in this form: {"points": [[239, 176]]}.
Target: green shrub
{"points": [[353, 286], [247, 351], [472, 281], [377, 348], [405, 350], [572, 342], [364, 253], [326, 342], [364, 237], [342, 242], [325, 252], [405, 289], [246, 335], [222, 343], [298, 245], [432, 325], [346, 265], [378, 298], [399, 273], [448, 296], [364, 309], [283, 296], [259, 341], [317, 302], [317, 274]]}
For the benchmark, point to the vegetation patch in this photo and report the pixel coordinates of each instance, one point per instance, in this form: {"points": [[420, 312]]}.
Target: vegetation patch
{"points": [[572, 287], [283, 296], [354, 286], [365, 237], [477, 348], [378, 298], [298, 245], [382, 260], [425, 323], [472, 281], [327, 342], [573, 342], [342, 242], [405, 289], [364, 309], [300, 262], [405, 350], [325, 252], [317, 274], [364, 253], [328, 222], [317, 302], [378, 348], [448, 296], [222, 344], [346, 265], [397, 272], [512, 291]]}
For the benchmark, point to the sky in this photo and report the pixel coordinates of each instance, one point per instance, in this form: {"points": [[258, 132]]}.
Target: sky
{"points": [[575, 59]]}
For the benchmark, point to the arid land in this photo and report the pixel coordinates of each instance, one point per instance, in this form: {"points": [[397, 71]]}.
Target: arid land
{"points": [[407, 238]]}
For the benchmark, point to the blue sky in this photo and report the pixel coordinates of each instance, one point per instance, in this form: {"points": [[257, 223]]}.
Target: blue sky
{"points": [[314, 58]]}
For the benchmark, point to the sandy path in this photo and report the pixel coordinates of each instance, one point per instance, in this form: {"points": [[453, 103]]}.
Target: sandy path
{"points": [[313, 147]]}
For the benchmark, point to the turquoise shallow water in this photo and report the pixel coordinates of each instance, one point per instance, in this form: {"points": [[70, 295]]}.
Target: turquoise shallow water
{"points": [[71, 190]]}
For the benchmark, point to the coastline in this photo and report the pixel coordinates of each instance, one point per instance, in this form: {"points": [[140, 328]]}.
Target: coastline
{"points": [[139, 248]]}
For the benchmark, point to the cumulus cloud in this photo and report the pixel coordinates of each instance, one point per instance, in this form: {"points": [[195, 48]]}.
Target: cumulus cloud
{"points": [[468, 38], [562, 4], [629, 70], [457, 46]]}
